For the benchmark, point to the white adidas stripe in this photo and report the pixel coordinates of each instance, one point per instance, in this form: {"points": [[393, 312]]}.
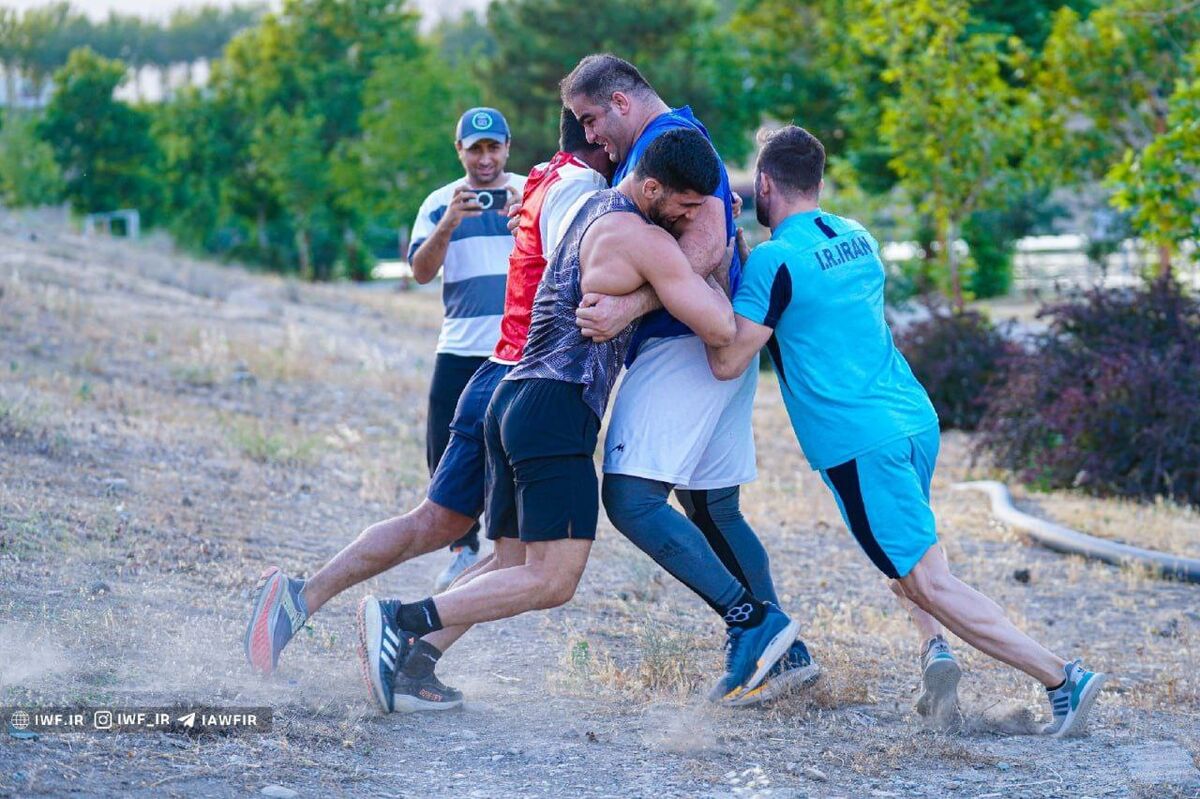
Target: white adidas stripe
{"points": [[387, 631], [387, 645]]}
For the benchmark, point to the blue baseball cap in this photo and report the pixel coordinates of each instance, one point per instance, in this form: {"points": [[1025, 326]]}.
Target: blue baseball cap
{"points": [[481, 123]]}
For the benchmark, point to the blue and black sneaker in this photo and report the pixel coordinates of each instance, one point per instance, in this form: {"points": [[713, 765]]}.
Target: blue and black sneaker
{"points": [[750, 652], [278, 612], [1071, 701], [793, 671], [940, 674], [424, 693], [382, 648]]}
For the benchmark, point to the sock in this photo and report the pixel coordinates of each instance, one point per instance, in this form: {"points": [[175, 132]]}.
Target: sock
{"points": [[1055, 688], [419, 618], [746, 611], [421, 660]]}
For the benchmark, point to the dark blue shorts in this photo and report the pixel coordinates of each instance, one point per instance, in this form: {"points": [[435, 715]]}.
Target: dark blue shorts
{"points": [[541, 479], [458, 480]]}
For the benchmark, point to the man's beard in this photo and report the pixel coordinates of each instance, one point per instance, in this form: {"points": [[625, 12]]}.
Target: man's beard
{"points": [[760, 210], [655, 214]]}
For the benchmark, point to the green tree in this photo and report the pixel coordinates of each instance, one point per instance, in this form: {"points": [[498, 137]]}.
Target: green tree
{"points": [[199, 146], [10, 51], [1160, 185], [463, 41], [102, 145], [29, 175], [1110, 74], [955, 123], [298, 173], [783, 53], [46, 37], [406, 150], [679, 47], [315, 55]]}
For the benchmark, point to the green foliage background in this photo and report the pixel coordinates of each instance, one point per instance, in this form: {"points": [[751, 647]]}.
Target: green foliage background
{"points": [[324, 124]]}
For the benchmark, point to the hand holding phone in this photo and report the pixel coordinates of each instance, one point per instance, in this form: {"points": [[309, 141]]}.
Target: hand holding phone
{"points": [[492, 199]]}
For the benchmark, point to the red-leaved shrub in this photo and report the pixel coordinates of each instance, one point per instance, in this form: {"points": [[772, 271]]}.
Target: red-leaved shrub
{"points": [[1108, 400], [955, 355]]}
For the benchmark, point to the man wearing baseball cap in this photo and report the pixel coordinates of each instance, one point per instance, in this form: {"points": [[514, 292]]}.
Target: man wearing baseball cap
{"points": [[462, 230]]}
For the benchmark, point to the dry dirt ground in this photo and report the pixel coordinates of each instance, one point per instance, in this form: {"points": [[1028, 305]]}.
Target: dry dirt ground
{"points": [[169, 427]]}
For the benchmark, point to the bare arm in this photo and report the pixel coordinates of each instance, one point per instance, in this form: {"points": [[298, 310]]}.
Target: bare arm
{"points": [[687, 295], [730, 362], [703, 240], [428, 258], [601, 317]]}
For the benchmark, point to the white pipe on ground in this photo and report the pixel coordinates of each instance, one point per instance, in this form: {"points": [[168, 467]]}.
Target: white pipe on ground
{"points": [[1063, 539]]}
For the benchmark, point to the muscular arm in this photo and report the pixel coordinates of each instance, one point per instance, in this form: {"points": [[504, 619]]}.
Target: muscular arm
{"points": [[702, 242], [657, 258], [730, 361], [703, 239]]}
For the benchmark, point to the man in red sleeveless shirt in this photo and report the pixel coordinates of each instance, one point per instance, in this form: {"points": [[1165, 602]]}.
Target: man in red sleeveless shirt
{"points": [[281, 605]]}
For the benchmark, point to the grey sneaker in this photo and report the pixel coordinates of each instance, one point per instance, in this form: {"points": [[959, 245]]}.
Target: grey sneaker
{"points": [[1071, 701], [940, 674], [424, 693], [278, 612], [463, 559]]}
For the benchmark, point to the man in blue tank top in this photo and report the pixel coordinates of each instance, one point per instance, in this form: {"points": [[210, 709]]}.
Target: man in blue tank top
{"points": [[544, 418], [673, 426], [813, 295]]}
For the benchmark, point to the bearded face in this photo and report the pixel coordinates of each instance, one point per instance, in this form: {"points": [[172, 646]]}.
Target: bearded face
{"points": [[760, 202]]}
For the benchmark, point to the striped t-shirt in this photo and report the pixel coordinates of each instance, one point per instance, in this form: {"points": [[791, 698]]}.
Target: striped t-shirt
{"points": [[473, 272]]}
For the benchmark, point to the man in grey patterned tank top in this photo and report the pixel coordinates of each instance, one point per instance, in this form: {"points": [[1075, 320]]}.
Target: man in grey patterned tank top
{"points": [[544, 419]]}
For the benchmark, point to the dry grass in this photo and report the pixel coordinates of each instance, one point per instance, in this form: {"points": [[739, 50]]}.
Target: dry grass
{"points": [[1161, 525], [262, 443]]}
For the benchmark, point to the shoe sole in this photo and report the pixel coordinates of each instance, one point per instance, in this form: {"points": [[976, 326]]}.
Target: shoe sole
{"points": [[258, 641], [775, 687], [940, 697], [1076, 723], [411, 704], [773, 651], [369, 618]]}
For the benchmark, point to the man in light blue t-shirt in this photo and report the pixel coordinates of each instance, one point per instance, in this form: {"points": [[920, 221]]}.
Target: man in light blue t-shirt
{"points": [[813, 295]]}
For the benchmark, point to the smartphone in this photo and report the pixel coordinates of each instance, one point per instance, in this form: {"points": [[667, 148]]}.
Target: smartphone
{"points": [[491, 199]]}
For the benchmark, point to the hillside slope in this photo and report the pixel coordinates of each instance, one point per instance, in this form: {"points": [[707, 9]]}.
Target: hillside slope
{"points": [[168, 427]]}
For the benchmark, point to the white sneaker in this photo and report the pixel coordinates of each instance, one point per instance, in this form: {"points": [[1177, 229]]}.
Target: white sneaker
{"points": [[464, 558]]}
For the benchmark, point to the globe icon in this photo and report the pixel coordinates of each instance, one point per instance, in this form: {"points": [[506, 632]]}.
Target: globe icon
{"points": [[19, 720]]}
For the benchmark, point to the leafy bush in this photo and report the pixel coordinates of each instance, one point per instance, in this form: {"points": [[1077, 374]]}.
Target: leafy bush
{"points": [[955, 355], [1109, 398], [28, 172]]}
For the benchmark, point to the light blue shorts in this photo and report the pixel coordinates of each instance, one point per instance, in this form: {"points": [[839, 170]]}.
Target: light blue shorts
{"points": [[884, 499]]}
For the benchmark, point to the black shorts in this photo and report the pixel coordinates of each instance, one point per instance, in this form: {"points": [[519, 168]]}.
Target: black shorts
{"points": [[458, 480], [541, 479]]}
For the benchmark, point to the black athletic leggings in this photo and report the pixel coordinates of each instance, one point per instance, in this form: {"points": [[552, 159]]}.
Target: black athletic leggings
{"points": [[450, 376], [712, 550]]}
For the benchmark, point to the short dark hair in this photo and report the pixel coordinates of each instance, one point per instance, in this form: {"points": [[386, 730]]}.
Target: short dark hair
{"points": [[597, 76], [794, 159], [682, 160], [571, 136]]}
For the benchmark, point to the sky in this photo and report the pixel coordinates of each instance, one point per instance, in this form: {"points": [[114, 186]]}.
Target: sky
{"points": [[162, 8]]}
